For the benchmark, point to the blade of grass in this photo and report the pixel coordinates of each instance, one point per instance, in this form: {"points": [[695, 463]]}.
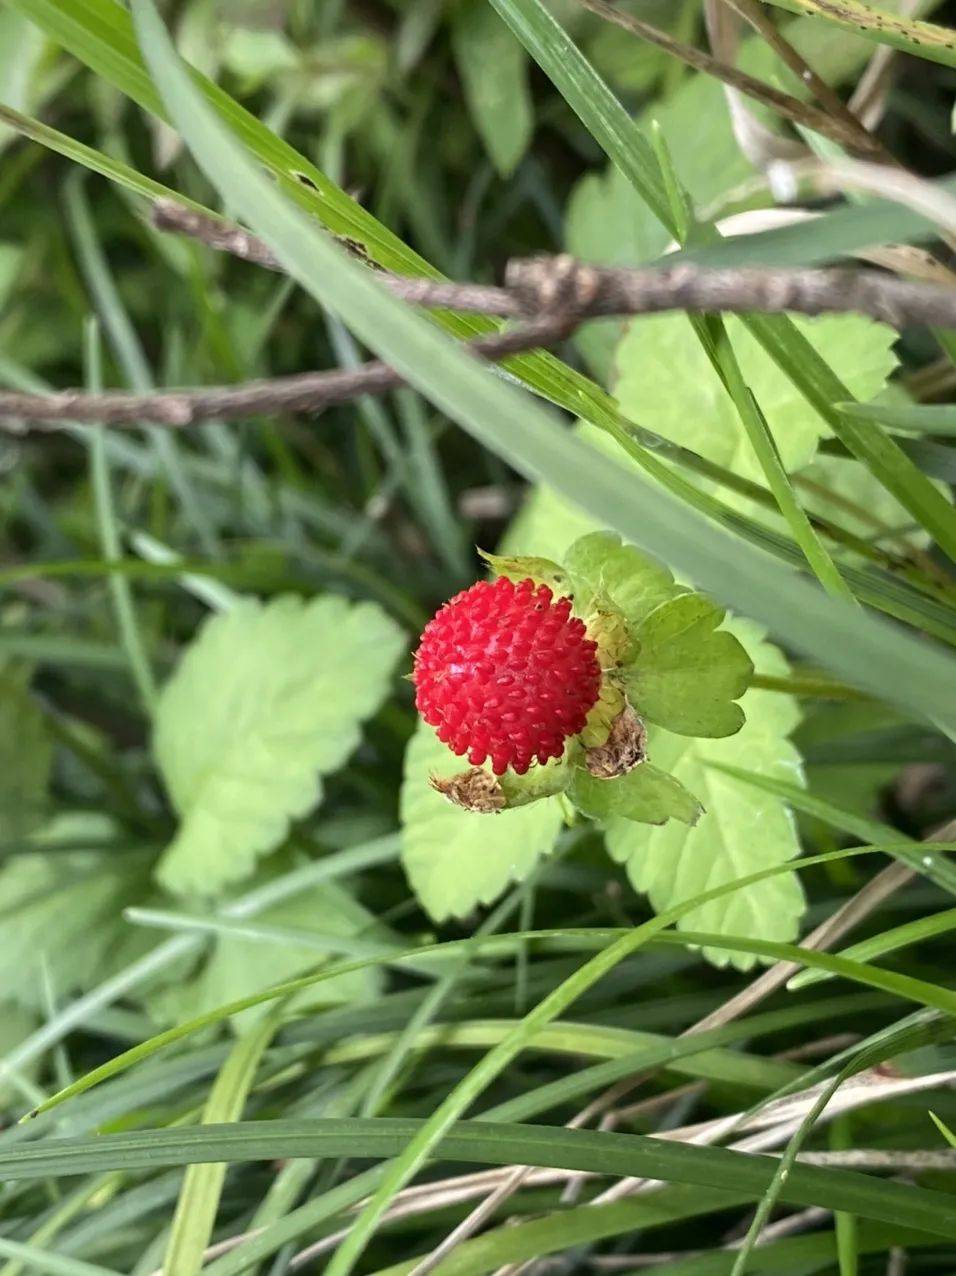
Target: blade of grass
{"points": [[917, 855], [123, 338], [765, 449], [855, 646], [911, 35], [887, 941], [40, 1260], [625, 1155], [94, 160], [147, 1049], [198, 1202], [921, 418], [119, 586]]}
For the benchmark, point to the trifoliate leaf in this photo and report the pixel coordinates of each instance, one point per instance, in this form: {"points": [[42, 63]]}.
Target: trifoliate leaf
{"points": [[646, 795], [599, 566], [26, 754], [267, 699], [63, 909], [743, 830], [665, 382], [494, 71], [454, 859], [518, 567], [238, 967], [687, 675]]}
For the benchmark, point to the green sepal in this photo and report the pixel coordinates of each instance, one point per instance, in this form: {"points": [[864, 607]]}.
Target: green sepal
{"points": [[645, 794], [540, 781], [543, 571]]}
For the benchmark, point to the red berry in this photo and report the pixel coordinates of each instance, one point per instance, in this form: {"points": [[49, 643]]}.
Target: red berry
{"points": [[505, 672]]}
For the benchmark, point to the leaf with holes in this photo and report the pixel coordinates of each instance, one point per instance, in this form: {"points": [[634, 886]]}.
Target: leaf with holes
{"points": [[455, 859], [267, 700]]}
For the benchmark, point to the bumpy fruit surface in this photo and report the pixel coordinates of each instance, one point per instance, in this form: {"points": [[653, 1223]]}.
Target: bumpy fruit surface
{"points": [[505, 672]]}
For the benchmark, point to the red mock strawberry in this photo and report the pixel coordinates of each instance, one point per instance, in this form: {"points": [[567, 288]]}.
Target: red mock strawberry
{"points": [[505, 671]]}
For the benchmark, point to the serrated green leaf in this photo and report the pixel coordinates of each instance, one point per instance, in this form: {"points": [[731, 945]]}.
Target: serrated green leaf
{"points": [[601, 566], [694, 409], [26, 755], [237, 967], [267, 699], [739, 832], [688, 675], [645, 794], [454, 859], [494, 72]]}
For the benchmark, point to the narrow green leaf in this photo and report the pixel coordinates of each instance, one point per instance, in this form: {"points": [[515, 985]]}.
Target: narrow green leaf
{"points": [[589, 96], [487, 1143], [887, 941], [198, 1202], [911, 35], [766, 451], [917, 418], [96, 161], [918, 856]]}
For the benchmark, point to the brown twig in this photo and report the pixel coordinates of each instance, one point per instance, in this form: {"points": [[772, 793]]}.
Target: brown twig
{"points": [[756, 16], [553, 295], [790, 108], [309, 392]]}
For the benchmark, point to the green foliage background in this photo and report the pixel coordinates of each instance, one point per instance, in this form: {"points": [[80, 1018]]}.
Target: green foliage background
{"points": [[236, 924]]}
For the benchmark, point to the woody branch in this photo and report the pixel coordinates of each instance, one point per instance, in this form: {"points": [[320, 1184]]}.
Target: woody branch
{"points": [[548, 296]]}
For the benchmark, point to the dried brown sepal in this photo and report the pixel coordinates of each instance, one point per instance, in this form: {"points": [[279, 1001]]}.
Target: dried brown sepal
{"points": [[475, 790], [624, 749]]}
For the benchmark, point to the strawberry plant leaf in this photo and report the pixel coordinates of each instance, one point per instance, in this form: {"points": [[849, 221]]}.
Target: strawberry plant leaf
{"points": [[645, 794], [695, 410], [687, 674], [739, 833], [600, 566], [494, 73], [455, 859], [267, 699]]}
